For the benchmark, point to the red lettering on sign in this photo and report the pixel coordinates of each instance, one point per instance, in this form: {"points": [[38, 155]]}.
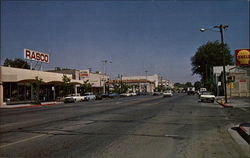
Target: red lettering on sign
{"points": [[46, 58], [27, 54], [42, 57], [243, 80], [37, 56], [33, 56]]}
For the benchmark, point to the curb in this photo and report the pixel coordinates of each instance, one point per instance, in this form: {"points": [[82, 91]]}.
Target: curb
{"points": [[244, 131], [225, 105], [30, 105]]}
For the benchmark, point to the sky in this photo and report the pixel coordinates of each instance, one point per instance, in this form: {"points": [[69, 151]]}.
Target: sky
{"points": [[159, 36]]}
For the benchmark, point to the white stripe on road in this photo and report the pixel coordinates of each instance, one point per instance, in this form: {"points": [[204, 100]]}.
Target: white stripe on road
{"points": [[243, 109], [23, 140]]}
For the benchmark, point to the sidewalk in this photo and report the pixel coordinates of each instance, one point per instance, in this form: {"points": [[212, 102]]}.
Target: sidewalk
{"points": [[234, 102], [240, 102], [29, 105]]}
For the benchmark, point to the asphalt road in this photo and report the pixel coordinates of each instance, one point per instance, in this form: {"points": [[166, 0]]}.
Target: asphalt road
{"points": [[133, 127]]}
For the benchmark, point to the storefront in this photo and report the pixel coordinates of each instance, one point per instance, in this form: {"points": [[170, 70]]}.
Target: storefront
{"points": [[17, 85]]}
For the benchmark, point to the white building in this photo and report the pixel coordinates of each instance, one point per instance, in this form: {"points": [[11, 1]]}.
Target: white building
{"points": [[16, 84], [239, 87], [96, 79], [152, 78]]}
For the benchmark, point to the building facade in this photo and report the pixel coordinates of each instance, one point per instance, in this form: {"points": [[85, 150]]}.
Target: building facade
{"points": [[237, 81], [17, 84]]}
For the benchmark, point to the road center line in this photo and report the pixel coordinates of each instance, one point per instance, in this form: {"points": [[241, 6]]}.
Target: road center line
{"points": [[23, 140]]}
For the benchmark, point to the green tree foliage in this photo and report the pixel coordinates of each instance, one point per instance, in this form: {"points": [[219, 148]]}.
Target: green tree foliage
{"points": [[120, 87], [178, 85], [197, 85], [36, 85], [207, 56], [17, 63], [85, 87], [67, 86], [188, 84], [160, 88]]}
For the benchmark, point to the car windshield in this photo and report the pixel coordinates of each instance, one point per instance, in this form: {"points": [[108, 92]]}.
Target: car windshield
{"points": [[207, 93]]}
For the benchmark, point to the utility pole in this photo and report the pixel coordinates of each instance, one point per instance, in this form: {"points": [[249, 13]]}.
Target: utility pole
{"points": [[1, 87], [146, 80], [104, 73], [221, 27]]}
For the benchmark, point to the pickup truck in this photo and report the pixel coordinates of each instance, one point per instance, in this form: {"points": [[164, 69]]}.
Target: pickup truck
{"points": [[207, 97], [72, 98]]}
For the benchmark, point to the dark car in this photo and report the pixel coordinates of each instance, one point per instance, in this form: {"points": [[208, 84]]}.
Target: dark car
{"points": [[114, 95], [104, 95], [99, 96]]}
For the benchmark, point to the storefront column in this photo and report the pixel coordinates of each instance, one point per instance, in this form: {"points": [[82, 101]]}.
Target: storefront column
{"points": [[1, 88], [75, 89], [1, 94]]}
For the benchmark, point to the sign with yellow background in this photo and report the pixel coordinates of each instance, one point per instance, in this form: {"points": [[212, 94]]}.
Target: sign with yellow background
{"points": [[242, 57], [230, 85]]}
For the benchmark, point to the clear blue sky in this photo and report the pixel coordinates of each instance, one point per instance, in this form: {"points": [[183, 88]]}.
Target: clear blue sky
{"points": [[157, 36]]}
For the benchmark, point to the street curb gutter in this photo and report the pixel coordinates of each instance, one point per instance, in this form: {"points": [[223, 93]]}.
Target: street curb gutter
{"points": [[244, 131], [239, 140], [30, 105], [225, 105]]}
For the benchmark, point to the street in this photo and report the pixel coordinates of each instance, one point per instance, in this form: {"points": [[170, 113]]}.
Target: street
{"points": [[131, 127]]}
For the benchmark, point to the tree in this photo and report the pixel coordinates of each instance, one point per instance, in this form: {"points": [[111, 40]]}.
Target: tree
{"points": [[197, 85], [36, 85], [177, 85], [207, 56], [17, 63], [85, 87], [67, 85], [188, 84]]}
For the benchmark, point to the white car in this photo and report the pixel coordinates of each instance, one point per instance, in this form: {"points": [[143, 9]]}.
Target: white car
{"points": [[133, 94], [167, 94], [125, 94], [72, 98], [207, 97], [89, 96]]}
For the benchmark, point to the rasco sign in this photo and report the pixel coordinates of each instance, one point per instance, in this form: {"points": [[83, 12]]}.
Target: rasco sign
{"points": [[35, 55]]}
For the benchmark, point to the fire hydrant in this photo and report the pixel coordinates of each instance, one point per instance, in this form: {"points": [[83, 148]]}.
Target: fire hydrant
{"points": [[222, 101]]}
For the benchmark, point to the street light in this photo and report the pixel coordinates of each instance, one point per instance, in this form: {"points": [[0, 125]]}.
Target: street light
{"points": [[104, 73], [221, 27]]}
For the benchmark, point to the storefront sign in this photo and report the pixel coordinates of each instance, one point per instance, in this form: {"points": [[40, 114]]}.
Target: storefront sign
{"points": [[243, 80], [35, 55], [84, 73], [230, 85], [242, 57]]}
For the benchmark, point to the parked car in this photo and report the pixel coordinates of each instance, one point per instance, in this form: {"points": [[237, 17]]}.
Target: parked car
{"points": [[167, 94], [114, 95], [125, 94], [133, 94], [156, 93], [142, 93], [207, 97], [98, 96], [89, 96], [72, 98], [105, 95]]}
